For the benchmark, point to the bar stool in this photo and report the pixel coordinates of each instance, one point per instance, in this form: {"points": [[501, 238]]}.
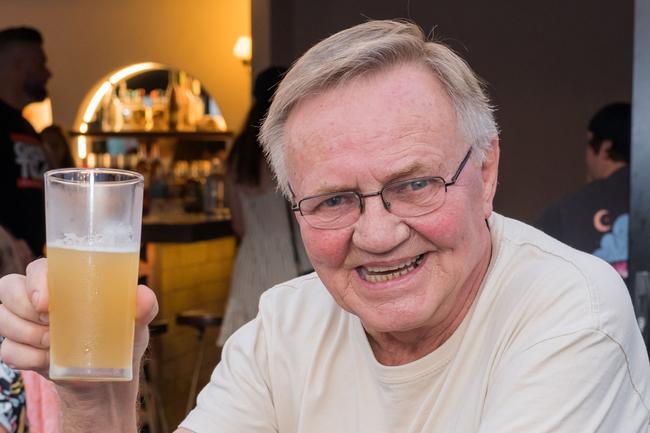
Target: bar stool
{"points": [[151, 399], [199, 320]]}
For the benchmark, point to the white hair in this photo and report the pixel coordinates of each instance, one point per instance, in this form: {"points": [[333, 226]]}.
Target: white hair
{"points": [[370, 48]]}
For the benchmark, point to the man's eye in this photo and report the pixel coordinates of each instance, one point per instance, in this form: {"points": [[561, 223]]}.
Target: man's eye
{"points": [[412, 186], [418, 184], [334, 201]]}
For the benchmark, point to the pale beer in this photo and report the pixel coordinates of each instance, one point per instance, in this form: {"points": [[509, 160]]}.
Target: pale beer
{"points": [[92, 311]]}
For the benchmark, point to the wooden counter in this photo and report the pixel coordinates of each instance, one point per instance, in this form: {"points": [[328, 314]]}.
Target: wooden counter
{"points": [[189, 259]]}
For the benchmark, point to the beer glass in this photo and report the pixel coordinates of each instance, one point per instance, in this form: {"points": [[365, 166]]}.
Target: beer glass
{"points": [[93, 221]]}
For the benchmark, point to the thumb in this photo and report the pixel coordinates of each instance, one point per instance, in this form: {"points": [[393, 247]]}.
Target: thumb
{"points": [[36, 280], [146, 305]]}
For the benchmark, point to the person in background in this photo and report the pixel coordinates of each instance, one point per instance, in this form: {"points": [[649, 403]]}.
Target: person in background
{"points": [[270, 250], [57, 147], [13, 412], [23, 160], [595, 219], [428, 311]]}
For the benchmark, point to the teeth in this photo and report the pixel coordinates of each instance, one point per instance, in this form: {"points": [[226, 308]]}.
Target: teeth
{"points": [[391, 268], [386, 273]]}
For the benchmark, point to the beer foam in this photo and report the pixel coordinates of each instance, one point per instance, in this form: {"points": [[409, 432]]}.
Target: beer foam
{"points": [[111, 239], [94, 249]]}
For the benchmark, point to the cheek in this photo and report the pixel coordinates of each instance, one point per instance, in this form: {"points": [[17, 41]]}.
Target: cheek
{"points": [[326, 248], [453, 226], [440, 228]]}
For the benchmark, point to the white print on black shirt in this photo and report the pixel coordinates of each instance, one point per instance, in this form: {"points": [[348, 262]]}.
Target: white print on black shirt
{"points": [[32, 161]]}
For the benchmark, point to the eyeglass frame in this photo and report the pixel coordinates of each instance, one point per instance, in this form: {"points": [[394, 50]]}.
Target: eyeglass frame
{"points": [[295, 207]]}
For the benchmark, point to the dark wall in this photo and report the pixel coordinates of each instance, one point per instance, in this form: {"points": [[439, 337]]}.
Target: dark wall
{"points": [[549, 65]]}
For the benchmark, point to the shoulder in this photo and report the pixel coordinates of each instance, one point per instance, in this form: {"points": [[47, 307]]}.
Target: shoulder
{"points": [[592, 193], [297, 322], [301, 305], [552, 277], [551, 296]]}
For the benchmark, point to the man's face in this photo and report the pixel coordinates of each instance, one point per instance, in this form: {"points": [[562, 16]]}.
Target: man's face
{"points": [[596, 161], [394, 125], [32, 63]]}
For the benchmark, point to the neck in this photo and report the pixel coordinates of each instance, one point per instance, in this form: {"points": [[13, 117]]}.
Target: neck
{"points": [[612, 168], [404, 347], [12, 97]]}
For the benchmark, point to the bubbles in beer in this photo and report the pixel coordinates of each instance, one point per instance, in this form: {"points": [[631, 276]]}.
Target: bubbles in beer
{"points": [[116, 238]]}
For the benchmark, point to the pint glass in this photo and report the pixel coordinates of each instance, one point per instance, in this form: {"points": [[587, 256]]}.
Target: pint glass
{"points": [[93, 221]]}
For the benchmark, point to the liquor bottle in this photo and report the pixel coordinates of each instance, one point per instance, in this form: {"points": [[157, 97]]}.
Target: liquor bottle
{"points": [[142, 167], [159, 112], [139, 110], [112, 111], [184, 96], [213, 191], [107, 111], [172, 102], [197, 105]]}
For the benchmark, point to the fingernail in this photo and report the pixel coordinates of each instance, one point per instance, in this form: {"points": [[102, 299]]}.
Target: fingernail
{"points": [[45, 340], [44, 318], [35, 297]]}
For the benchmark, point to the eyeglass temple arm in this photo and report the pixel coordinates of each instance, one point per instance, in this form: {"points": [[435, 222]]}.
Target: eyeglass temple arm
{"points": [[294, 206], [460, 168]]}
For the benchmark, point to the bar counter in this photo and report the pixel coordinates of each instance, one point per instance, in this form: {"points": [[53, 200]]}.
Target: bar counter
{"points": [[187, 262]]}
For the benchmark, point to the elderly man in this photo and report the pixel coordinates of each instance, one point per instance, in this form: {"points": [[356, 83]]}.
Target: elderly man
{"points": [[428, 312]]}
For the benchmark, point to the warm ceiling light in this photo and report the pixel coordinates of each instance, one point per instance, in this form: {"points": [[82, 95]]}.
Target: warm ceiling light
{"points": [[96, 100], [132, 70], [243, 49]]}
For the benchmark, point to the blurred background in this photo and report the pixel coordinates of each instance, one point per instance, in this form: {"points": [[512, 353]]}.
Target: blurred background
{"points": [[548, 65]]}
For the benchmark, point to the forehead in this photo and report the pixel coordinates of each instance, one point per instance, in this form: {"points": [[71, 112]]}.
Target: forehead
{"points": [[375, 125]]}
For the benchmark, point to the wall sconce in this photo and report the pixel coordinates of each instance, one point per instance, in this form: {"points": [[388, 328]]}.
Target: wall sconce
{"points": [[243, 49]]}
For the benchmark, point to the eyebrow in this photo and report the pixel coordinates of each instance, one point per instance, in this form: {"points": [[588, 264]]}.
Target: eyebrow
{"points": [[406, 172]]}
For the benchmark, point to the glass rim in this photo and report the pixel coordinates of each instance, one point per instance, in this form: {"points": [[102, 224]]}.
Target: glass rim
{"points": [[132, 177]]}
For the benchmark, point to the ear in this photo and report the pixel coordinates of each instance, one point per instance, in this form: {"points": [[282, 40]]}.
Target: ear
{"points": [[489, 173], [603, 151]]}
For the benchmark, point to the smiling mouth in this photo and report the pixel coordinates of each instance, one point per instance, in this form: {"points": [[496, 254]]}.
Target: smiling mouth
{"points": [[378, 274]]}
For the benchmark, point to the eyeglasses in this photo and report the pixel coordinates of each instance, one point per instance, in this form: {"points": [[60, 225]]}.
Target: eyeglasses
{"points": [[404, 198]]}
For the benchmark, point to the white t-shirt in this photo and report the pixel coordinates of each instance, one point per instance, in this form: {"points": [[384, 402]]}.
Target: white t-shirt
{"points": [[551, 344]]}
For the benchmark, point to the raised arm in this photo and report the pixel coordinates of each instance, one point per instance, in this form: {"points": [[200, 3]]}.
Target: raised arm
{"points": [[85, 406]]}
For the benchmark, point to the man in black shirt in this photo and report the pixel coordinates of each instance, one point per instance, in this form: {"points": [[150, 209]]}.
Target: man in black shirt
{"points": [[23, 78], [595, 218]]}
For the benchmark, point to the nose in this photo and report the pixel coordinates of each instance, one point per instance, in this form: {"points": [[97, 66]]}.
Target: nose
{"points": [[378, 231]]}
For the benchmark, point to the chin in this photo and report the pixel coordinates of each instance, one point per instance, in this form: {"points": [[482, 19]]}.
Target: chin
{"points": [[37, 94], [396, 320]]}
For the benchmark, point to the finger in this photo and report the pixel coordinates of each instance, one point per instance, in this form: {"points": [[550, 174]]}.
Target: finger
{"points": [[36, 276], [14, 296], [146, 305], [23, 331], [23, 357]]}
